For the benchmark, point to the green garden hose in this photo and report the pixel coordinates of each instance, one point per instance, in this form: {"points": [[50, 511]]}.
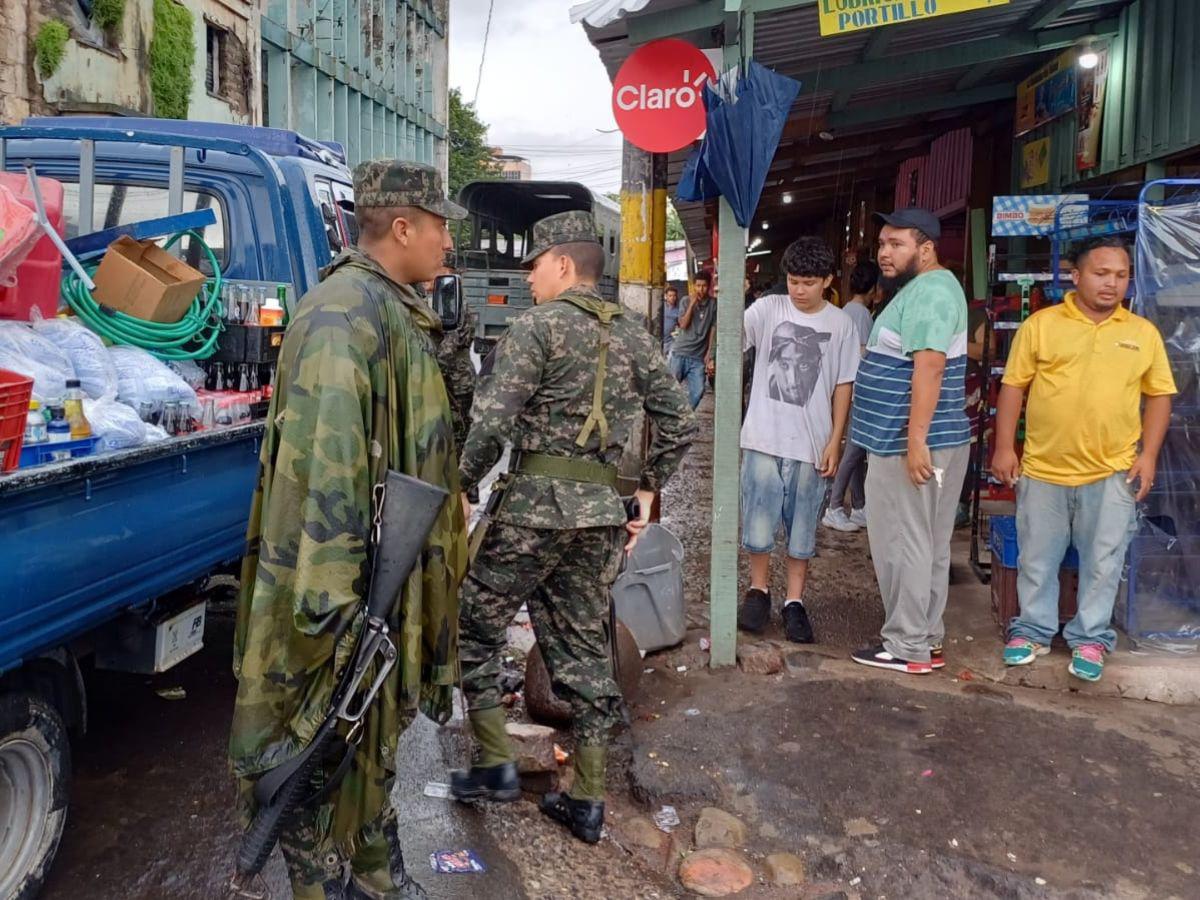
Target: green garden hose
{"points": [[192, 337]]}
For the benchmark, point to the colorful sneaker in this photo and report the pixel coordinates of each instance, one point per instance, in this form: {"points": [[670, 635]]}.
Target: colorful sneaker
{"points": [[1087, 662], [937, 658], [835, 517], [858, 517], [879, 658], [1022, 651]]}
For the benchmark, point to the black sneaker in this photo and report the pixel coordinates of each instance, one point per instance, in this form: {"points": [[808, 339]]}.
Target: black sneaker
{"points": [[585, 818], [796, 625], [500, 784], [755, 611], [937, 659], [880, 659]]}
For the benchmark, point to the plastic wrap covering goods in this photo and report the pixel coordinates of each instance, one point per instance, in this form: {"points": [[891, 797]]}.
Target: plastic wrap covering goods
{"points": [[93, 366], [747, 109], [24, 350], [142, 379], [1160, 603], [116, 424], [19, 232]]}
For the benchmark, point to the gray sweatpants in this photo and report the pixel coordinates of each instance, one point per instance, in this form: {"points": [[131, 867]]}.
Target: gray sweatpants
{"points": [[909, 529]]}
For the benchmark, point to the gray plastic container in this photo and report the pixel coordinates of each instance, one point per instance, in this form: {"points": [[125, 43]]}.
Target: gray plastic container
{"points": [[648, 594]]}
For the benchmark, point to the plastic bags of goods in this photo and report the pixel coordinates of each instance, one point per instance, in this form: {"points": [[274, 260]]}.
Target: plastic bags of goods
{"points": [[144, 383], [24, 350], [93, 367], [19, 231], [116, 424]]}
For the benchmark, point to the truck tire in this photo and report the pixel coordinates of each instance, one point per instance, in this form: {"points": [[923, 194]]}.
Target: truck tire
{"points": [[35, 782]]}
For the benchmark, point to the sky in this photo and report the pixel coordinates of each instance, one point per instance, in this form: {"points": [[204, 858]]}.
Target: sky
{"points": [[544, 93]]}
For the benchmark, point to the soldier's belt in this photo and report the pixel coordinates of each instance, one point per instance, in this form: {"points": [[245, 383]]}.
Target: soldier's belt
{"points": [[565, 467]]}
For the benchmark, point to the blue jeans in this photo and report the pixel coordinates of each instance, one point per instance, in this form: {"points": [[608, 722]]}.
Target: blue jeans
{"points": [[775, 491], [1099, 519], [691, 370]]}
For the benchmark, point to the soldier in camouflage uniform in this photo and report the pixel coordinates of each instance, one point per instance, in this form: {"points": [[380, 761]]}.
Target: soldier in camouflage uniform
{"points": [[358, 392], [458, 370], [572, 377]]}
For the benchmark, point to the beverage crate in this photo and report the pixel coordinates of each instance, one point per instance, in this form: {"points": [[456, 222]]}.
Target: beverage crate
{"points": [[15, 391], [57, 451], [1006, 606], [1002, 541]]}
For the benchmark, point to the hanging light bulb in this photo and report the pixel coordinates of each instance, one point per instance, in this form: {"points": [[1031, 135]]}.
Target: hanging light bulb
{"points": [[1088, 57]]}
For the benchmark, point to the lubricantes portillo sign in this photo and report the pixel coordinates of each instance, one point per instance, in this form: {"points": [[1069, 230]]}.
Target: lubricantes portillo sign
{"points": [[658, 97]]}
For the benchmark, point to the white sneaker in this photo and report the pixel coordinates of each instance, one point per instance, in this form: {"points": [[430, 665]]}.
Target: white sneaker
{"points": [[836, 518], [858, 517]]}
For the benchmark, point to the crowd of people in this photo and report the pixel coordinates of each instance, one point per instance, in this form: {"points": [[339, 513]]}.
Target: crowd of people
{"points": [[371, 388], [880, 401]]}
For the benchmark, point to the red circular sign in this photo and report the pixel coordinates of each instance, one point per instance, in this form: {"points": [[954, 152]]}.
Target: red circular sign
{"points": [[658, 95]]}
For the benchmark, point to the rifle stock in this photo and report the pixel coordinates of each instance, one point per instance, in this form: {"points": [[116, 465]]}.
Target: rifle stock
{"points": [[405, 510]]}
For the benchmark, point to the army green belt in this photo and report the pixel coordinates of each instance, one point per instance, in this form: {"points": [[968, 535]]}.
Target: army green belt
{"points": [[566, 467]]}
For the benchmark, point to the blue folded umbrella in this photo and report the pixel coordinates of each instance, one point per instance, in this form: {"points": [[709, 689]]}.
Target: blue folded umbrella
{"points": [[745, 115]]}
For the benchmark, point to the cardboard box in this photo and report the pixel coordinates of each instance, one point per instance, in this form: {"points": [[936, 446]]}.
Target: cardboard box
{"points": [[141, 279]]}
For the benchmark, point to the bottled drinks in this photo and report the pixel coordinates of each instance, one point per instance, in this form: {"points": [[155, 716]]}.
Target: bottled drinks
{"points": [[57, 429], [73, 409], [35, 425]]}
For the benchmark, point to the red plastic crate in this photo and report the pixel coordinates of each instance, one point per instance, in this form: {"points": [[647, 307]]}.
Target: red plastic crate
{"points": [[15, 391]]}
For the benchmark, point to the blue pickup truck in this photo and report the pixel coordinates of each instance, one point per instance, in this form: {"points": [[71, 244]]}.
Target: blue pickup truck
{"points": [[101, 556]]}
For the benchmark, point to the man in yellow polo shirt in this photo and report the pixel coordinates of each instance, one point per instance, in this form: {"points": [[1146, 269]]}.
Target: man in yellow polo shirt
{"points": [[1099, 382]]}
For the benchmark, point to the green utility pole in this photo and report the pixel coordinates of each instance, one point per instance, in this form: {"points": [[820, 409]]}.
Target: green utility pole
{"points": [[731, 269]]}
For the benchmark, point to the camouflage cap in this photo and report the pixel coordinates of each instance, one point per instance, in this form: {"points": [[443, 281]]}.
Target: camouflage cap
{"points": [[571, 227], [395, 182]]}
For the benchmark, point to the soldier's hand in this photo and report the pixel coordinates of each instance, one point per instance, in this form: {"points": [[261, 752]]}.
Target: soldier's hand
{"points": [[635, 527]]}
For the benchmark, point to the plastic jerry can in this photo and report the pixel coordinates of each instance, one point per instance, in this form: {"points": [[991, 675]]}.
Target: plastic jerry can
{"points": [[38, 277], [648, 594]]}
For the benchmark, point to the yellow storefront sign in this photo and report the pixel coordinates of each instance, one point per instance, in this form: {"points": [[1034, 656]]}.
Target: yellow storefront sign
{"points": [[847, 16]]}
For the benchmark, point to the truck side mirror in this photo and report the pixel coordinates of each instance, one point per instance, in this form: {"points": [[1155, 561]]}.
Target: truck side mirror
{"points": [[447, 301]]}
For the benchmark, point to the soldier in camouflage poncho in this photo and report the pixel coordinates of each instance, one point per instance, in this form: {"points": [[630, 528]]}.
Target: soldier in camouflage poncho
{"points": [[571, 379], [358, 392]]}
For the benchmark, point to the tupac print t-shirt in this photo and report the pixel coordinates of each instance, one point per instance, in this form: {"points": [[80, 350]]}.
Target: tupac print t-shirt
{"points": [[799, 359]]}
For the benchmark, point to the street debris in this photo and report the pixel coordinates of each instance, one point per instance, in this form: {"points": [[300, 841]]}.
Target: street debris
{"points": [[681, 668], [172, 693], [439, 790], [666, 819], [691, 712], [456, 862], [560, 755], [705, 644], [928, 773]]}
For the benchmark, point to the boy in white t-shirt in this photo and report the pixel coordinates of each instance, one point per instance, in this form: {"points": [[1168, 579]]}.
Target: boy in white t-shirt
{"points": [[807, 354]]}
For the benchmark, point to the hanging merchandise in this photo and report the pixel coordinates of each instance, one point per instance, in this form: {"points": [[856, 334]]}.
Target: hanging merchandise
{"points": [[192, 337], [747, 109]]}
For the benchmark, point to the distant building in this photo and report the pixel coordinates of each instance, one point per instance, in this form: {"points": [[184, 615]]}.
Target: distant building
{"points": [[676, 260], [512, 168]]}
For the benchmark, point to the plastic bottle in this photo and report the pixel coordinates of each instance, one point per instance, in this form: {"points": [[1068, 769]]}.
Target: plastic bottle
{"points": [[58, 430], [272, 310], [35, 425], [73, 408]]}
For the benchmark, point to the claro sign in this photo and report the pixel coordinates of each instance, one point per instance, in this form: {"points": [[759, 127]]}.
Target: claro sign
{"points": [[658, 97]]}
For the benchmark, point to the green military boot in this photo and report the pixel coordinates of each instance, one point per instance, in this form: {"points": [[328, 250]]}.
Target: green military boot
{"points": [[582, 808], [493, 773]]}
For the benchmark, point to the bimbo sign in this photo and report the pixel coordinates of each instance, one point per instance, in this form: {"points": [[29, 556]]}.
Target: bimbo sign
{"points": [[658, 95]]}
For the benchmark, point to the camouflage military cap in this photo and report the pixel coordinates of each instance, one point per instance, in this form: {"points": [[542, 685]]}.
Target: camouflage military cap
{"points": [[394, 182], [571, 227]]}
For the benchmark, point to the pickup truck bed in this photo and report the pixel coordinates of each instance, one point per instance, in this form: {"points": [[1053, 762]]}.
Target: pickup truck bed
{"points": [[88, 538]]}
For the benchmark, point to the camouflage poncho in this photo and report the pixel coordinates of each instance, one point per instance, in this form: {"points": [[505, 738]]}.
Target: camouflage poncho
{"points": [[336, 407]]}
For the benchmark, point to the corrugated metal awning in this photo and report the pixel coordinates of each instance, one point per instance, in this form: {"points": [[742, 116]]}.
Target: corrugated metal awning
{"points": [[599, 13]]}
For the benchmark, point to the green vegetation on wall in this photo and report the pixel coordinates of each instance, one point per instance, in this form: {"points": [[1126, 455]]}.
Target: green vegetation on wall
{"points": [[108, 13], [49, 46], [172, 51]]}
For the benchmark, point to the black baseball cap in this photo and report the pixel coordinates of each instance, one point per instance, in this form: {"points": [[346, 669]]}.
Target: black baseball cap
{"points": [[913, 217]]}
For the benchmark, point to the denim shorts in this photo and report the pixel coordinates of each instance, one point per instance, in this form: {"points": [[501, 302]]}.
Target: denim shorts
{"points": [[780, 491]]}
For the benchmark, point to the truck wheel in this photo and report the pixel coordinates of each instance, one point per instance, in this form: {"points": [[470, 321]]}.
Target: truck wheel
{"points": [[35, 780]]}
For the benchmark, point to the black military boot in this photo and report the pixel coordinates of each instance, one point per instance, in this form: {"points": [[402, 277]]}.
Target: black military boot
{"points": [[499, 784], [585, 818]]}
